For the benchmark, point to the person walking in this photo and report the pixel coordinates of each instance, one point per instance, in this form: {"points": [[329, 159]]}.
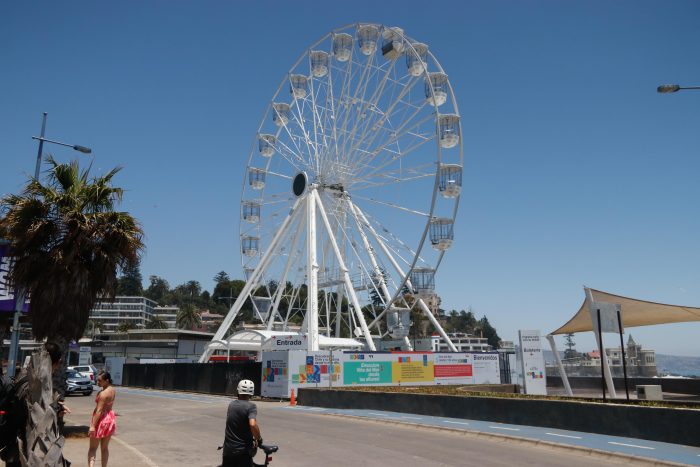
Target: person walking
{"points": [[103, 423], [242, 436]]}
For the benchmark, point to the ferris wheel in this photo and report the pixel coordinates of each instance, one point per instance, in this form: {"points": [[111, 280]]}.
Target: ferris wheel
{"points": [[351, 190]]}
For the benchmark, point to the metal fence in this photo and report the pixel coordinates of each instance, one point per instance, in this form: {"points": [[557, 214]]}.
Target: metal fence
{"points": [[209, 378]]}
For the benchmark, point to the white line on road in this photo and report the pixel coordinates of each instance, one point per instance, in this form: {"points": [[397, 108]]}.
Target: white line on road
{"points": [[564, 436], [504, 428], [141, 455], [630, 445], [456, 423]]}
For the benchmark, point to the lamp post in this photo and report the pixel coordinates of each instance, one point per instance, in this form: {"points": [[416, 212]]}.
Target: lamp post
{"points": [[669, 88], [19, 304]]}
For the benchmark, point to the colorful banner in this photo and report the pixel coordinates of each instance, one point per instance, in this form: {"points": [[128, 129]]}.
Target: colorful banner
{"points": [[7, 293], [454, 368], [283, 371]]}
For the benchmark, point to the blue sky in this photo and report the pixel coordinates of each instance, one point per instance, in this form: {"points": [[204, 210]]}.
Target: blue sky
{"points": [[576, 170]]}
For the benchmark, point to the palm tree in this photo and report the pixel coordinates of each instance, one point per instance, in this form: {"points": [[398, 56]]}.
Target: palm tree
{"points": [[124, 326], [156, 322], [188, 317], [69, 243]]}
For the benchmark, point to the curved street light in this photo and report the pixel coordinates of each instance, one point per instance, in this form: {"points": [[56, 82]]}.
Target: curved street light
{"points": [[14, 338], [668, 88]]}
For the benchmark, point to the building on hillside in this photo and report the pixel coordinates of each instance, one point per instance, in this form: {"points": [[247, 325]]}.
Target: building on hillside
{"points": [[640, 362], [435, 343], [137, 311]]}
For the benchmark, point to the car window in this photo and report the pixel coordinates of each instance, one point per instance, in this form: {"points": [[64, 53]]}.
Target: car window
{"points": [[71, 374]]}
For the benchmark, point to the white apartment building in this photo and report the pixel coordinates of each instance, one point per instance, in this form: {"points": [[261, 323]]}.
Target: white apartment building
{"points": [[135, 310]]}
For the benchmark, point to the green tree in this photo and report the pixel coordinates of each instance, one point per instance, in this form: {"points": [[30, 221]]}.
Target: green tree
{"points": [[156, 322], [125, 326], [130, 283], [69, 242], [489, 332], [221, 276], [188, 317], [158, 290], [570, 351]]}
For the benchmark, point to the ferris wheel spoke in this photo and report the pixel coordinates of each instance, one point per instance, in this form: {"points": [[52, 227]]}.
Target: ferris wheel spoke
{"points": [[392, 205], [375, 130], [371, 103], [289, 155], [363, 84]]}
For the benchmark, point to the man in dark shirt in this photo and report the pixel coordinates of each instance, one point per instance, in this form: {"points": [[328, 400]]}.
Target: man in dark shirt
{"points": [[242, 430]]}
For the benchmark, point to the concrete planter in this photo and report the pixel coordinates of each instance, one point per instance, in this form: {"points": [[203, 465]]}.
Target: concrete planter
{"points": [[679, 426]]}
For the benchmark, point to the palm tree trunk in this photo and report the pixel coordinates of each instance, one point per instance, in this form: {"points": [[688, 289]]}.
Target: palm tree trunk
{"points": [[44, 444], [59, 375]]}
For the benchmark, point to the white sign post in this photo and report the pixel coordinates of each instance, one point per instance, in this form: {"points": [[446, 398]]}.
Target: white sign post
{"points": [[85, 356], [532, 358]]}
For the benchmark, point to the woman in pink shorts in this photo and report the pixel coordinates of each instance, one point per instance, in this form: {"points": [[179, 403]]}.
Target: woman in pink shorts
{"points": [[103, 423]]}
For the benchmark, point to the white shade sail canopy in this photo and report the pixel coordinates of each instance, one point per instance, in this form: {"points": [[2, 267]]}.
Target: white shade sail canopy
{"points": [[633, 312]]}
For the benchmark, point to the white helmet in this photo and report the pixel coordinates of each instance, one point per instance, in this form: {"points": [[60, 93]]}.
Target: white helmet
{"points": [[246, 386]]}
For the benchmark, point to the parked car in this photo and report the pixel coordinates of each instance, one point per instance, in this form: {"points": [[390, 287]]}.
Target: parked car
{"points": [[86, 370], [77, 383]]}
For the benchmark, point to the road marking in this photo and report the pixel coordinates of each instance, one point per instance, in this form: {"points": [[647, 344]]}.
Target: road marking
{"points": [[504, 428], [630, 445], [455, 423], [412, 418], [141, 455], [564, 436], [315, 409], [377, 414]]}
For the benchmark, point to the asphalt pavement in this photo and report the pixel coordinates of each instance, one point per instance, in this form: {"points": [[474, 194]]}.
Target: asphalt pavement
{"points": [[161, 428]]}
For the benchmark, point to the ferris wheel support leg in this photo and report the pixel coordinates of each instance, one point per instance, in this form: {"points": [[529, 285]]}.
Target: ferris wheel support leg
{"points": [[396, 265], [346, 275], [283, 283], [339, 310], [238, 304], [312, 272], [407, 343]]}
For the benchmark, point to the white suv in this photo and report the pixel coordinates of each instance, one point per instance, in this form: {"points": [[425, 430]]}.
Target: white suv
{"points": [[89, 371]]}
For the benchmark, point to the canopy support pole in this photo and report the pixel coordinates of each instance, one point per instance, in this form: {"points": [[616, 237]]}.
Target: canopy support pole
{"points": [[599, 340], [562, 371]]}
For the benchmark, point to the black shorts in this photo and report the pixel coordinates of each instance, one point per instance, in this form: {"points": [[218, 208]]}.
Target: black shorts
{"points": [[237, 459]]}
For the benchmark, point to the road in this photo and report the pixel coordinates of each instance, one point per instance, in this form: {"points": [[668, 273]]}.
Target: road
{"points": [[158, 428]]}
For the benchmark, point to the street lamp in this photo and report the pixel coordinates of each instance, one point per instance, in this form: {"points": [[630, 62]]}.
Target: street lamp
{"points": [[14, 339], [668, 88]]}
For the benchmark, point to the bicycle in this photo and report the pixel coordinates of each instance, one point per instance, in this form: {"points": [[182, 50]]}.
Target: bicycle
{"points": [[268, 449]]}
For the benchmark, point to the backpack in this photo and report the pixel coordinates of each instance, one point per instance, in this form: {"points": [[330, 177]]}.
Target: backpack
{"points": [[13, 417]]}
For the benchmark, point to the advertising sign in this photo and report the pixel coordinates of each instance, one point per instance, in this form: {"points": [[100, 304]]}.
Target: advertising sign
{"points": [[486, 370], [454, 368], [608, 317], [7, 293], [115, 367], [534, 375], [85, 355], [275, 374], [283, 371]]}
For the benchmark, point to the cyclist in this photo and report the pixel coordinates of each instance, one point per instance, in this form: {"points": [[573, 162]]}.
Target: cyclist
{"points": [[242, 431]]}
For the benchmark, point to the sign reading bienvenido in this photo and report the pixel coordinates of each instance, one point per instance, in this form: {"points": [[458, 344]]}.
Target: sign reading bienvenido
{"points": [[7, 293]]}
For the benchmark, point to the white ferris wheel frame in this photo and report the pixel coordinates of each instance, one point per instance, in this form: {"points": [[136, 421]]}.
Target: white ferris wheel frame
{"points": [[302, 216]]}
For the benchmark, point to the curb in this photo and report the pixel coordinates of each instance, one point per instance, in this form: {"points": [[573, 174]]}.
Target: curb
{"points": [[592, 452]]}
